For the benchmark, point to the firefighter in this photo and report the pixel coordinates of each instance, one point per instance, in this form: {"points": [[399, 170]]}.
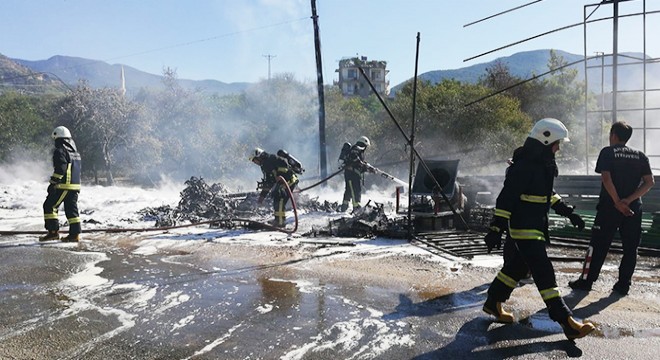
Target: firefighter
{"points": [[63, 188], [626, 176], [354, 169], [522, 211], [273, 166]]}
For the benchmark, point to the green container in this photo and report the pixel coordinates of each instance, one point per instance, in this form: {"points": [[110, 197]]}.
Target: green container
{"points": [[561, 227]]}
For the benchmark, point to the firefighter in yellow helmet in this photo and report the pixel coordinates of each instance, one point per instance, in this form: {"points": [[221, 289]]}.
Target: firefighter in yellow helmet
{"points": [[522, 211]]}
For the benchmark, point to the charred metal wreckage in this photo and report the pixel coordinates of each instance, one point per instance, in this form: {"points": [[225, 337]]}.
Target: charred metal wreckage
{"points": [[435, 228]]}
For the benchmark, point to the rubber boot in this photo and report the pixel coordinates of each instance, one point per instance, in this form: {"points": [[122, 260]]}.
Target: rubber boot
{"points": [[574, 329], [276, 223], [495, 308], [580, 284], [621, 288], [71, 238], [52, 235]]}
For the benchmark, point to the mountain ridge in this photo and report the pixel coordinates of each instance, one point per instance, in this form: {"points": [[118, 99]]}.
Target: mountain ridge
{"points": [[69, 70], [101, 74]]}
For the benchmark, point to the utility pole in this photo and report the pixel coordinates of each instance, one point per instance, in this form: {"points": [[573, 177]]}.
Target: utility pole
{"points": [[319, 78], [269, 57]]}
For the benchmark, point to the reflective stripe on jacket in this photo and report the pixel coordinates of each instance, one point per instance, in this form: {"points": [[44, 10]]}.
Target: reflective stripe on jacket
{"points": [[525, 199], [67, 166]]}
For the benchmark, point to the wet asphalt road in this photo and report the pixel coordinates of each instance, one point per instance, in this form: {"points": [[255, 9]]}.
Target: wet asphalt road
{"points": [[78, 301]]}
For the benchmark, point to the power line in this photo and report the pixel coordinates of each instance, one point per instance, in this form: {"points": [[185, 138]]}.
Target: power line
{"points": [[501, 13], [211, 38]]}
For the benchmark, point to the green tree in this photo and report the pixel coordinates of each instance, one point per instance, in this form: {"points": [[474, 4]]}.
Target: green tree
{"points": [[556, 95], [446, 127], [348, 118], [25, 125]]}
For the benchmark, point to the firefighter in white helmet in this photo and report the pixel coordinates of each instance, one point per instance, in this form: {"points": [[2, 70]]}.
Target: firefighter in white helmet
{"points": [[272, 167], [64, 187], [354, 168], [522, 212]]}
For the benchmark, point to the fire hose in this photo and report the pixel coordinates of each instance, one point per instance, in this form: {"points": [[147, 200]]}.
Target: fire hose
{"points": [[322, 181]]}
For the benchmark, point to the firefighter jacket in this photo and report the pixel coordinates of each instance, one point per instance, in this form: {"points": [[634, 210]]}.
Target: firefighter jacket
{"points": [[273, 166], [355, 160], [66, 165], [528, 192]]}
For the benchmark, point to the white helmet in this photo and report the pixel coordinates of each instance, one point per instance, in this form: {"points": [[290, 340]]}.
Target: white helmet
{"points": [[61, 132], [549, 130], [257, 153], [364, 140]]}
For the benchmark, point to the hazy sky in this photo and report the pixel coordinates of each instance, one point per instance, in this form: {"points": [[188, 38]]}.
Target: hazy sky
{"points": [[229, 40]]}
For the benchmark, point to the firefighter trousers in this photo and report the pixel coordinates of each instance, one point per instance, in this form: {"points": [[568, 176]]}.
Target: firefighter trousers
{"points": [[608, 221], [352, 189], [521, 257], [280, 199], [53, 201]]}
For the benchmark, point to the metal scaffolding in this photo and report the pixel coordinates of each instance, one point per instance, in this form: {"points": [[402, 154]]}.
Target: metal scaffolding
{"points": [[629, 104]]}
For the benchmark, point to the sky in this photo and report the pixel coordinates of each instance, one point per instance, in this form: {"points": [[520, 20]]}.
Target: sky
{"points": [[240, 40]]}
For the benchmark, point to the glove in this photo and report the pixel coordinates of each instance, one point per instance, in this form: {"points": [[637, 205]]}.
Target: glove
{"points": [[569, 211], [493, 239], [576, 220], [562, 209], [499, 224]]}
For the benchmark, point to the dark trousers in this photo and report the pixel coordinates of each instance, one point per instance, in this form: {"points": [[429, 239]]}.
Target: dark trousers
{"points": [[608, 221], [280, 198], [352, 189], [53, 201], [521, 257]]}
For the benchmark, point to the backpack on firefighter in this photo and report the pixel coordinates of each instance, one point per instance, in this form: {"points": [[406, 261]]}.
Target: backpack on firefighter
{"points": [[343, 154], [294, 164]]}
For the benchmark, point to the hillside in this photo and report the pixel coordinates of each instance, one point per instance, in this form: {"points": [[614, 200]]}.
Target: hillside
{"points": [[529, 63], [101, 74], [16, 77], [20, 74]]}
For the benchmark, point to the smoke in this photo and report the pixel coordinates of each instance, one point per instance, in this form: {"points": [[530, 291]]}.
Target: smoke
{"points": [[25, 170]]}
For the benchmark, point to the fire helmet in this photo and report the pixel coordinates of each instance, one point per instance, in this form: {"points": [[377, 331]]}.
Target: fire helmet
{"points": [[257, 153], [364, 140], [549, 130], [61, 132]]}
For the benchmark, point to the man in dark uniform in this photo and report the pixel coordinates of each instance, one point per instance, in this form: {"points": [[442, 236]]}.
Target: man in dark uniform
{"points": [[522, 211], [626, 176], [354, 169], [64, 187], [272, 167]]}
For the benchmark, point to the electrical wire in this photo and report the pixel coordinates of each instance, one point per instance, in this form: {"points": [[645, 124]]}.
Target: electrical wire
{"points": [[501, 13]]}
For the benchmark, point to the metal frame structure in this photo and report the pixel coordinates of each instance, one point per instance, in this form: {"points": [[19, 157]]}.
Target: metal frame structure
{"points": [[615, 110]]}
